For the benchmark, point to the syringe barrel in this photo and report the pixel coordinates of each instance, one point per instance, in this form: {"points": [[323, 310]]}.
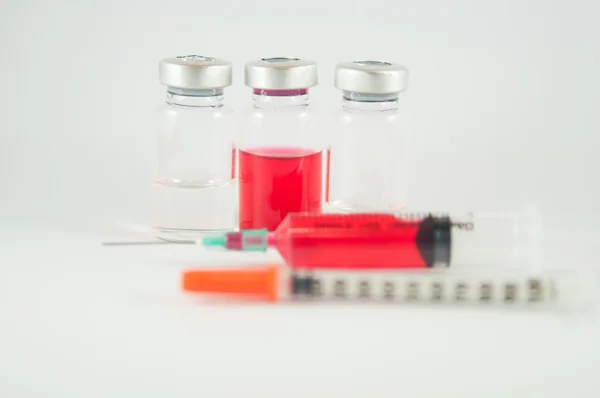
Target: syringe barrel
{"points": [[355, 241], [434, 287], [410, 240], [499, 240], [398, 241], [558, 289]]}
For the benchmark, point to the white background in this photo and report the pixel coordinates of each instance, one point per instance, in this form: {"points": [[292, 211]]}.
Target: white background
{"points": [[503, 99]]}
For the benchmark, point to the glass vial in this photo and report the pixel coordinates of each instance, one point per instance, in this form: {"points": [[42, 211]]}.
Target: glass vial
{"points": [[280, 144], [366, 161], [194, 191]]}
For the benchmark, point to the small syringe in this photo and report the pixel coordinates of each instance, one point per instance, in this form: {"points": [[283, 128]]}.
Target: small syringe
{"points": [[279, 283]]}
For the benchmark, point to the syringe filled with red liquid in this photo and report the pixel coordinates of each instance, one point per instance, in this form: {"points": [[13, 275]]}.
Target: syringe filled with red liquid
{"points": [[391, 241]]}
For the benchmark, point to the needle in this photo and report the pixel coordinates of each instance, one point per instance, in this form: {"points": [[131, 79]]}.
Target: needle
{"points": [[150, 242]]}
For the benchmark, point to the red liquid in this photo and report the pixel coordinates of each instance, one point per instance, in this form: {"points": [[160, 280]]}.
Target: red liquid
{"points": [[350, 241], [277, 181]]}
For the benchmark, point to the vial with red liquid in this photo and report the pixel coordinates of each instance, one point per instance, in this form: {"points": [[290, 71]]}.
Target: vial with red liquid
{"points": [[280, 145], [194, 190], [367, 158]]}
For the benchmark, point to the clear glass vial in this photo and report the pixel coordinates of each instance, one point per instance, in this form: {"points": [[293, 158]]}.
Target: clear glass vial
{"points": [[194, 191], [366, 160], [280, 144]]}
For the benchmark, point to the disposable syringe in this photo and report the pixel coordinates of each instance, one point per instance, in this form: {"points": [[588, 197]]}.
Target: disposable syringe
{"points": [[277, 283], [391, 241]]}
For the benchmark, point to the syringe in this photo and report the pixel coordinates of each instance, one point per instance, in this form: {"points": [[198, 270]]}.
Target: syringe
{"points": [[276, 283], [388, 241]]}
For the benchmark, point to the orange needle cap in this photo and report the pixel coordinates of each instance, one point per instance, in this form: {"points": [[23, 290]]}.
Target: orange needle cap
{"points": [[256, 282]]}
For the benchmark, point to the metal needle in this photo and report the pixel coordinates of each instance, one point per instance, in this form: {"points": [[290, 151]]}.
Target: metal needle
{"points": [[141, 243]]}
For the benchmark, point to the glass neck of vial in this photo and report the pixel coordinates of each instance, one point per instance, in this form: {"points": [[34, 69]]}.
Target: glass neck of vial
{"points": [[280, 98], [370, 102], [195, 98]]}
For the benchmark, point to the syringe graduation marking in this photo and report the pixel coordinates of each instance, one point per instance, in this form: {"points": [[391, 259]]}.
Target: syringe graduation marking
{"points": [[461, 291], [364, 289], [399, 221], [340, 289], [412, 291], [436, 291], [486, 291], [368, 287], [388, 289], [510, 292], [536, 292]]}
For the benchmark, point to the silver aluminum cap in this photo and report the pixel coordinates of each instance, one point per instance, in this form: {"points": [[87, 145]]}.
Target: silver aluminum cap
{"points": [[281, 73], [194, 72], [371, 77]]}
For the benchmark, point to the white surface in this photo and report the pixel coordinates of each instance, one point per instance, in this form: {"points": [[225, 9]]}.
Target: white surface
{"points": [[79, 319], [503, 99]]}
